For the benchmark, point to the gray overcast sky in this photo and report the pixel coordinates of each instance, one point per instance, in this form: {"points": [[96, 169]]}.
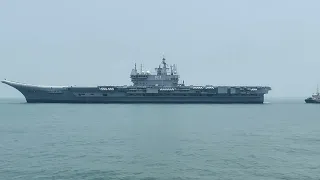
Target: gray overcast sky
{"points": [[218, 42]]}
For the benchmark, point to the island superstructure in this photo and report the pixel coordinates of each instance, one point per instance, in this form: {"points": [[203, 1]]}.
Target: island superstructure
{"points": [[160, 87]]}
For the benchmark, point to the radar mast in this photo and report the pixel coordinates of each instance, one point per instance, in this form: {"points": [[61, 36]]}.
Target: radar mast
{"points": [[164, 69]]}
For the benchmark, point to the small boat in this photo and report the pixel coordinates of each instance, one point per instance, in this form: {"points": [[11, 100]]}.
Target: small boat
{"points": [[315, 98]]}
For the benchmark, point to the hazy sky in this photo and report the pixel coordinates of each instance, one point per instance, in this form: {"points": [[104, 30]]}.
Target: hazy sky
{"points": [[219, 42]]}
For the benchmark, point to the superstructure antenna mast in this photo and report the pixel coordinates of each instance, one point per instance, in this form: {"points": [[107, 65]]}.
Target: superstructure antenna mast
{"points": [[141, 68]]}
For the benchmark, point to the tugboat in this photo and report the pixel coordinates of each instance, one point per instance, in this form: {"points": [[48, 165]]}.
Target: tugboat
{"points": [[315, 98]]}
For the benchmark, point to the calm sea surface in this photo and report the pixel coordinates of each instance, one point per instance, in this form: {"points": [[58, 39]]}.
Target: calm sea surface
{"points": [[277, 140]]}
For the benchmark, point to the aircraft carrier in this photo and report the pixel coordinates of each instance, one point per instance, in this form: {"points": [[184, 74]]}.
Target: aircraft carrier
{"points": [[160, 87]]}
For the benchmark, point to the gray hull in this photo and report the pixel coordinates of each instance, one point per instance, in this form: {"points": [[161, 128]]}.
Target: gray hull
{"points": [[48, 94], [312, 101], [178, 100]]}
